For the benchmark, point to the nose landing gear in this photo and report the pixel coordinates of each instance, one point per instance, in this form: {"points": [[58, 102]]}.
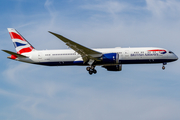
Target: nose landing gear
{"points": [[163, 67], [91, 70]]}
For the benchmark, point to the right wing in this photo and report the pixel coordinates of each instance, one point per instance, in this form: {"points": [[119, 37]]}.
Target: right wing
{"points": [[86, 53]]}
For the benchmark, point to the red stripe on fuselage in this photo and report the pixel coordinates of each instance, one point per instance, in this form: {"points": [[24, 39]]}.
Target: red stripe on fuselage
{"points": [[16, 36], [25, 50], [157, 50]]}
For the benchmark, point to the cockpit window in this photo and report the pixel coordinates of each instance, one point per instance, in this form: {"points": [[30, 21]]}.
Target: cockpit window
{"points": [[171, 52]]}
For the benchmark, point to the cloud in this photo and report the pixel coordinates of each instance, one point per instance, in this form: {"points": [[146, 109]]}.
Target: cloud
{"points": [[12, 71], [49, 6], [92, 103], [158, 8], [107, 6], [164, 8]]}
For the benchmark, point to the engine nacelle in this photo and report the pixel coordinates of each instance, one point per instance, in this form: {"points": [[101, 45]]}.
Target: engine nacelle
{"points": [[110, 58], [113, 67]]}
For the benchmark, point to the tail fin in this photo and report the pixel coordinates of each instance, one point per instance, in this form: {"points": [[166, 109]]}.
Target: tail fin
{"points": [[20, 43]]}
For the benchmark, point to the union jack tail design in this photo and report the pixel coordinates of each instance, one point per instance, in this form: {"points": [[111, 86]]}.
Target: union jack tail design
{"points": [[20, 43]]}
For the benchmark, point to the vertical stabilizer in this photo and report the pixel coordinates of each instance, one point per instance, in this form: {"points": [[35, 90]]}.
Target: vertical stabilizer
{"points": [[20, 43]]}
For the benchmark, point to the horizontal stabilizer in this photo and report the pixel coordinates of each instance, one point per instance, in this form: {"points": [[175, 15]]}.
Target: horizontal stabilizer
{"points": [[13, 53]]}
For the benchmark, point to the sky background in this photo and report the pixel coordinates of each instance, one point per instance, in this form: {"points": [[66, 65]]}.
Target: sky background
{"points": [[138, 92]]}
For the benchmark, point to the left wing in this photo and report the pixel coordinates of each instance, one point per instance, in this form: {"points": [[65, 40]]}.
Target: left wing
{"points": [[13, 53], [86, 53]]}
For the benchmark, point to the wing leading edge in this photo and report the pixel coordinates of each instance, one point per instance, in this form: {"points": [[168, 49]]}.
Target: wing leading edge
{"points": [[13, 53], [86, 53]]}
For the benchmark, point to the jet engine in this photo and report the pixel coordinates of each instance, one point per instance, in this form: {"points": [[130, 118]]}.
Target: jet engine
{"points": [[110, 58], [113, 67]]}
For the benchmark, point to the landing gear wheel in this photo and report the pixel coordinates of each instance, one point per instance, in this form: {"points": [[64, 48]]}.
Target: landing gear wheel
{"points": [[94, 71], [163, 67], [88, 68], [92, 67], [90, 72]]}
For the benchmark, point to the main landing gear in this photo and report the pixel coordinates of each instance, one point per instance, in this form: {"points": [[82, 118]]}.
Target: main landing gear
{"points": [[91, 70], [163, 67]]}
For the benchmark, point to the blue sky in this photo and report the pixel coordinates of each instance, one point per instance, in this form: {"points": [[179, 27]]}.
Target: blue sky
{"points": [[139, 92]]}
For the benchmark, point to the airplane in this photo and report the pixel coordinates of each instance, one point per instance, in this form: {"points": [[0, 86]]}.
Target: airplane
{"points": [[109, 58]]}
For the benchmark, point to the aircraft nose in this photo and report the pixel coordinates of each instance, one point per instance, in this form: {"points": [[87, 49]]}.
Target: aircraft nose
{"points": [[175, 57]]}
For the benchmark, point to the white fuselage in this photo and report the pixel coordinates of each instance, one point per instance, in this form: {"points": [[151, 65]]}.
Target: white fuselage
{"points": [[126, 56]]}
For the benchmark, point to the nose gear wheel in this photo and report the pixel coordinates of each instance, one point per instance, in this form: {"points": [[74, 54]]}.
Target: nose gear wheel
{"points": [[163, 67]]}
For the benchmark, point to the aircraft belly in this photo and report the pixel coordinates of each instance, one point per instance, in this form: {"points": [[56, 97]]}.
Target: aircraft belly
{"points": [[144, 61], [61, 61]]}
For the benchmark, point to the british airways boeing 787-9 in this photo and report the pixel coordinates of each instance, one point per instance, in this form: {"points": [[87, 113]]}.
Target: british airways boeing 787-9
{"points": [[109, 58]]}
